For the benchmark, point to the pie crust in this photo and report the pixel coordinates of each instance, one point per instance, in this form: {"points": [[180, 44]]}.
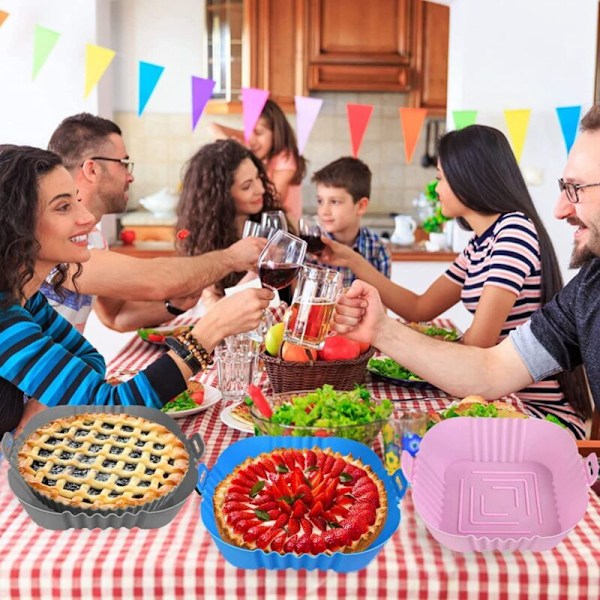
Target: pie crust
{"points": [[103, 461], [302, 501]]}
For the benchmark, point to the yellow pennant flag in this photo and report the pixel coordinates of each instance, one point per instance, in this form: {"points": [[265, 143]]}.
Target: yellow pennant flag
{"points": [[517, 122], [97, 60]]}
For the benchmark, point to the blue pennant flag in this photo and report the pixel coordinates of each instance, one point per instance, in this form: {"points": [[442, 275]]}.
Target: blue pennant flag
{"points": [[568, 117], [149, 75]]}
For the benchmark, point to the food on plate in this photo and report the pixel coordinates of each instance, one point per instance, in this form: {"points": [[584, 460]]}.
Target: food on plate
{"points": [[441, 333], [241, 412], [190, 398], [301, 501], [338, 347], [388, 367], [157, 335], [274, 338], [296, 353], [102, 461]]}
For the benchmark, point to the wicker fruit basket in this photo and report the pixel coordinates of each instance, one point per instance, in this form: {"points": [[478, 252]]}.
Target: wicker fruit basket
{"points": [[288, 376]]}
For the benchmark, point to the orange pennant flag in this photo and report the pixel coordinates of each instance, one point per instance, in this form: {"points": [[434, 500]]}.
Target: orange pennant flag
{"points": [[358, 119], [411, 122], [3, 16]]}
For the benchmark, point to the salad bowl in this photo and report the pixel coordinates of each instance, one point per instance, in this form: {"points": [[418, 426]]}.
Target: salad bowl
{"points": [[324, 412]]}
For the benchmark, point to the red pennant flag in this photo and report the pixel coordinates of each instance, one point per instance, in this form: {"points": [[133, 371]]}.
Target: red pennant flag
{"points": [[411, 122], [358, 119]]}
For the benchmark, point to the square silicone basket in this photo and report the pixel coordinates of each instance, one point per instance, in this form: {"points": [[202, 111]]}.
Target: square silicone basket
{"points": [[499, 484], [259, 559], [53, 515]]}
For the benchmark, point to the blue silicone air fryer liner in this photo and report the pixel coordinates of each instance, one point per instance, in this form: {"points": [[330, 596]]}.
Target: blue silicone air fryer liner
{"points": [[242, 558]]}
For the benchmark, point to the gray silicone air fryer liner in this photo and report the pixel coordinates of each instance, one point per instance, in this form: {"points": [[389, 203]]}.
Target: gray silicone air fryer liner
{"points": [[57, 516]]}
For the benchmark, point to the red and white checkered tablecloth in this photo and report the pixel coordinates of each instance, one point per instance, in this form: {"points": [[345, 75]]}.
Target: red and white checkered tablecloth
{"points": [[180, 559]]}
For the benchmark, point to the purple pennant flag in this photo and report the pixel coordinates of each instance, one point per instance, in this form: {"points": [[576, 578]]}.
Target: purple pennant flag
{"points": [[568, 117], [307, 111], [202, 90], [253, 102]]}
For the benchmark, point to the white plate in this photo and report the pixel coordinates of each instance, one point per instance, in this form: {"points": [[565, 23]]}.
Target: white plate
{"points": [[211, 396], [234, 423]]}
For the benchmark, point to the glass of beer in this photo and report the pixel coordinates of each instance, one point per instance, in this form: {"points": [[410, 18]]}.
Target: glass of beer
{"points": [[307, 321]]}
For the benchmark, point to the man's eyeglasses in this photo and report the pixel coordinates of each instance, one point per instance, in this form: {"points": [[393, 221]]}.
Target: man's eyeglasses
{"points": [[571, 189], [128, 164]]}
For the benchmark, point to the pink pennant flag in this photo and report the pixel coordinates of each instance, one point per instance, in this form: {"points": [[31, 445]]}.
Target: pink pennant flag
{"points": [[411, 122], [202, 90], [358, 119], [253, 102], [307, 111]]}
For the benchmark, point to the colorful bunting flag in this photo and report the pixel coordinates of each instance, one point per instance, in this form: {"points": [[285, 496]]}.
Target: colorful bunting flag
{"points": [[148, 77], [253, 102], [359, 116], [411, 122], [517, 122], [568, 116], [3, 16], [307, 111], [97, 60], [464, 118], [44, 41], [202, 90]]}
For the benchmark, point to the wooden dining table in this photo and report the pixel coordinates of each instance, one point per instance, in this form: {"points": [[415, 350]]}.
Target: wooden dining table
{"points": [[180, 559]]}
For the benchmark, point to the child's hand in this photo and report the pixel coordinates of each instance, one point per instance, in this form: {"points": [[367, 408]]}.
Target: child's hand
{"points": [[336, 254]]}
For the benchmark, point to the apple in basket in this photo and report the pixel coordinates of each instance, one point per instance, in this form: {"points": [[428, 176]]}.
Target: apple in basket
{"points": [[338, 347]]}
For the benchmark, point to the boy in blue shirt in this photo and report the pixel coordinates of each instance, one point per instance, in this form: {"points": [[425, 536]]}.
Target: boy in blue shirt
{"points": [[343, 190]]}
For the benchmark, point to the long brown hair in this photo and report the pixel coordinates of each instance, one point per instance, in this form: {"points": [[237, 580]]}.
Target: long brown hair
{"points": [[206, 208]]}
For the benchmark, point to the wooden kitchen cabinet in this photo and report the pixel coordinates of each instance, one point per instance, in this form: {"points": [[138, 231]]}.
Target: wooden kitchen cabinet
{"points": [[355, 45], [429, 82]]}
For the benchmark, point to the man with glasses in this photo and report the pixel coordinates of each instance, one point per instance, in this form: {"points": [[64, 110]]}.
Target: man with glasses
{"points": [[94, 152], [560, 336]]}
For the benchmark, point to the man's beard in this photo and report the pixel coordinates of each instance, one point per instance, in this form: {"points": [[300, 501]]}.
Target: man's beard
{"points": [[583, 254]]}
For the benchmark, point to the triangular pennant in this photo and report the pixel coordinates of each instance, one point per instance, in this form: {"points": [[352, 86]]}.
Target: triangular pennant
{"points": [[3, 16], [411, 122], [202, 90], [517, 122], [568, 116], [253, 102], [359, 116], [44, 41], [307, 111], [149, 74], [464, 118], [97, 60]]}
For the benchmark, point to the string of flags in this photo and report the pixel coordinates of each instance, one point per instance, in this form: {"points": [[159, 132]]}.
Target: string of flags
{"points": [[98, 60]]}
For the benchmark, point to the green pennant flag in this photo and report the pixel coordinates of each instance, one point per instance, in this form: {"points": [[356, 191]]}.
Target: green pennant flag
{"points": [[44, 41], [464, 118]]}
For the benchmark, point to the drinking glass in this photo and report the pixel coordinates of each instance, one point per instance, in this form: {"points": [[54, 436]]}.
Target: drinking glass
{"points": [[307, 322], [254, 229], [310, 231], [237, 361], [278, 265], [274, 219], [403, 432]]}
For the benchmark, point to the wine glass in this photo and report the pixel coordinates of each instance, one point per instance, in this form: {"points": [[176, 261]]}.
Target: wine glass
{"points": [[254, 229], [274, 219], [310, 231]]}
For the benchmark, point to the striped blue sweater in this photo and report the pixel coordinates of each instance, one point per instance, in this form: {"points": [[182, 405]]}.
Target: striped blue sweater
{"points": [[44, 357]]}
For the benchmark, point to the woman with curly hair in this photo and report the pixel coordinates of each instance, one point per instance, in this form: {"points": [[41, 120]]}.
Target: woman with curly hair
{"points": [[273, 141], [44, 360], [224, 185]]}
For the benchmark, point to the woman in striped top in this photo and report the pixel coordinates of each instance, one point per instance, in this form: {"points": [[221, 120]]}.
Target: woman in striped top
{"points": [[42, 356], [507, 271]]}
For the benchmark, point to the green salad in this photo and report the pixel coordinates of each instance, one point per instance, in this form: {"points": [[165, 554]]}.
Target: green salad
{"points": [[388, 367], [450, 335]]}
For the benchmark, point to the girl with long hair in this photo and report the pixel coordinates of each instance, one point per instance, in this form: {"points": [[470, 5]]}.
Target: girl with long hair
{"points": [[507, 270]]}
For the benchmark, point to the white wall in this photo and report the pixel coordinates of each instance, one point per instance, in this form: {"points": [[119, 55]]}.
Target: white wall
{"points": [[537, 54], [31, 110], [170, 34]]}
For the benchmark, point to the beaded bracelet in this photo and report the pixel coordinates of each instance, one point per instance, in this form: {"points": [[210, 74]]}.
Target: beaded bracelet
{"points": [[198, 351]]}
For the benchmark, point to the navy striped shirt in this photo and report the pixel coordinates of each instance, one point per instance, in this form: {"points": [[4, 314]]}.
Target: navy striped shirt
{"points": [[46, 358], [507, 256]]}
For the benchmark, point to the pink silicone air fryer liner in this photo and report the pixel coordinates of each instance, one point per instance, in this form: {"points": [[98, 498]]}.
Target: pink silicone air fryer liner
{"points": [[499, 484]]}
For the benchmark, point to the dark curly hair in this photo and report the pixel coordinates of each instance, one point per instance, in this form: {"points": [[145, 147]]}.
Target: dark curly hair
{"points": [[21, 168], [206, 208]]}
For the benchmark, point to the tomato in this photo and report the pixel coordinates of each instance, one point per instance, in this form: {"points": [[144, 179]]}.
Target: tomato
{"points": [[198, 397], [364, 346], [339, 348], [156, 338], [261, 403], [128, 236]]}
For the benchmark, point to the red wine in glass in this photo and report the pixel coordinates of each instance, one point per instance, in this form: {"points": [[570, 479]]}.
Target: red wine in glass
{"points": [[314, 244], [276, 276]]}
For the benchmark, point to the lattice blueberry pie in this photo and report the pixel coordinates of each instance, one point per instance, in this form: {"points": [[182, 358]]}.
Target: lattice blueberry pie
{"points": [[301, 501], [103, 461]]}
